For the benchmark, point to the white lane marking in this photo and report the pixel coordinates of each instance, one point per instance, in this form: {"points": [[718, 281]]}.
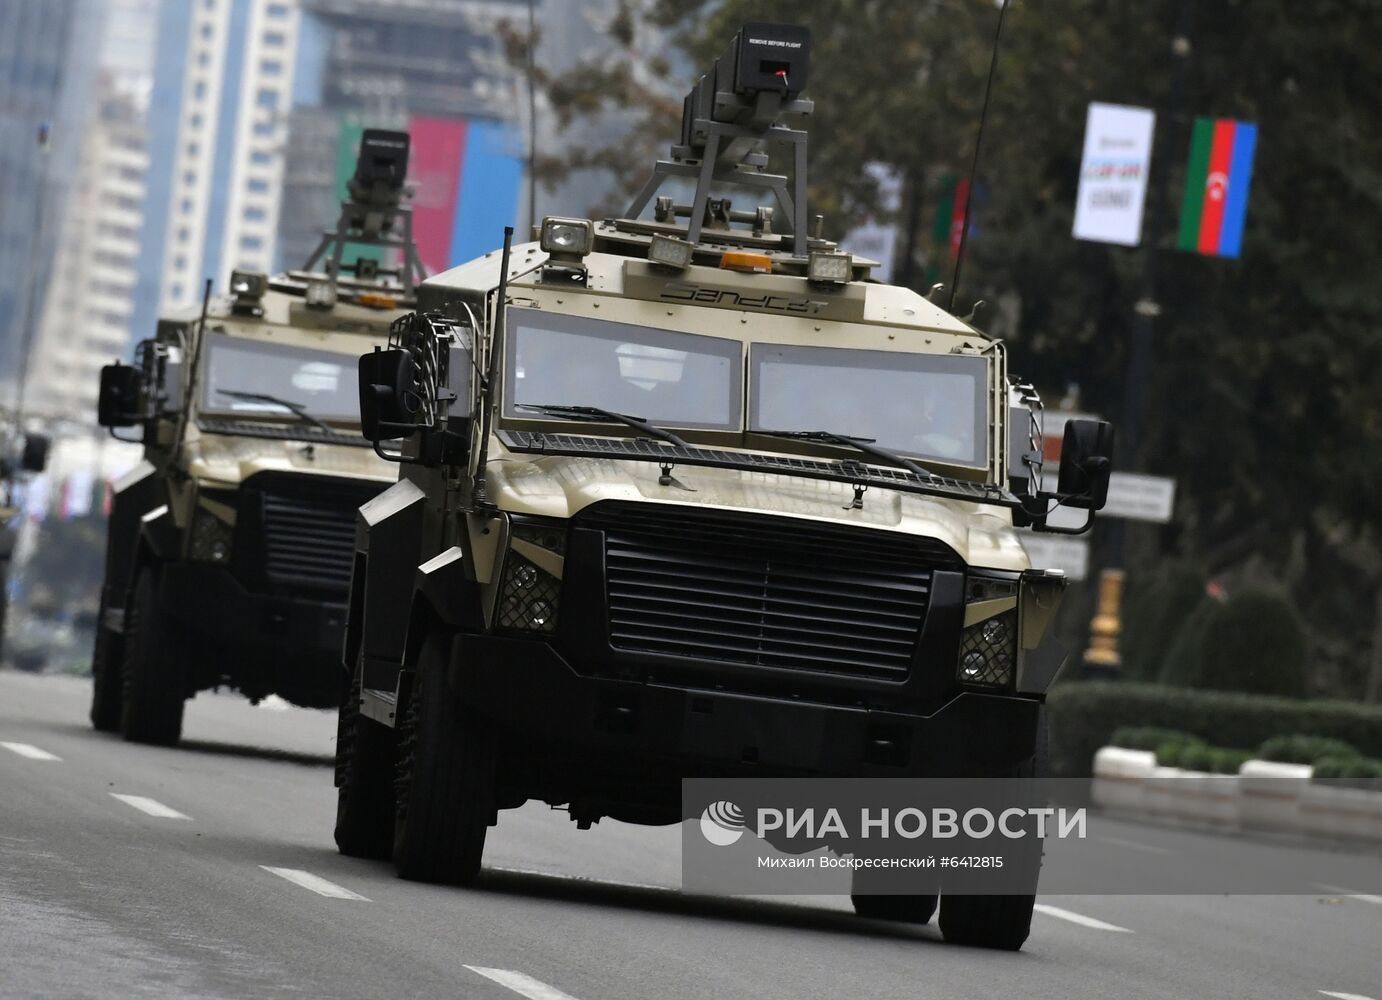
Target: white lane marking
{"points": [[1078, 918], [30, 751], [615, 883], [274, 704], [315, 883], [1340, 890], [1134, 845], [151, 806], [524, 985], [1344, 996]]}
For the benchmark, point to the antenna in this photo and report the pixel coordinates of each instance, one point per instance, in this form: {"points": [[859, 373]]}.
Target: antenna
{"points": [[479, 488], [974, 165], [532, 119]]}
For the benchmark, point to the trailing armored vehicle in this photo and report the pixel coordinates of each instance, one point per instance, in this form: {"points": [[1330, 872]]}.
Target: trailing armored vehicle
{"points": [[691, 496], [230, 545]]}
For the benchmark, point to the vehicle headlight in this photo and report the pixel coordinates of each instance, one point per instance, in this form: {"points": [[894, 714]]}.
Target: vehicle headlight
{"points": [[527, 596], [989, 642], [566, 237], [211, 538]]}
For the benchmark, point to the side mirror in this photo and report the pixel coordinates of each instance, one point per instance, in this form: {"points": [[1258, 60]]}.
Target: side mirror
{"points": [[35, 456], [388, 402], [1086, 459], [118, 404]]}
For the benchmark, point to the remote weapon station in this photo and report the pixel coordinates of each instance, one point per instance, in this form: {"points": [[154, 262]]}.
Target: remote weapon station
{"points": [[229, 551], [691, 496]]}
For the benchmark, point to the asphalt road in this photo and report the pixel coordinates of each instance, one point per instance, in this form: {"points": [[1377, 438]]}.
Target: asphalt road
{"points": [[209, 871]]}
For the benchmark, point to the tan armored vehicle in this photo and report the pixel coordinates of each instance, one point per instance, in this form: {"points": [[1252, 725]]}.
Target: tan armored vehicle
{"points": [[230, 545], [688, 499]]}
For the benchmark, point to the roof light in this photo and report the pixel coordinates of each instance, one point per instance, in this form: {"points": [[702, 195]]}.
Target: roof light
{"points": [[566, 237], [669, 251], [744, 260], [248, 285], [320, 295], [829, 268]]}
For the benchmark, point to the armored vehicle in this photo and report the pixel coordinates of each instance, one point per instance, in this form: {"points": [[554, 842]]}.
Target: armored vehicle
{"points": [[691, 496], [230, 545]]}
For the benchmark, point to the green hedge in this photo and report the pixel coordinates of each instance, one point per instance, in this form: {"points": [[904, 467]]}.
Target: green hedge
{"points": [[1301, 749], [1085, 714]]}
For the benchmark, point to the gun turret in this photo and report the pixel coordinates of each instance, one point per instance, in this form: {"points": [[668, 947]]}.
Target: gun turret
{"points": [[728, 119], [375, 214]]}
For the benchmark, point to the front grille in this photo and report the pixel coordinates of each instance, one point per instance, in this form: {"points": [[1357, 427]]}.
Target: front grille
{"points": [[765, 591], [309, 529]]}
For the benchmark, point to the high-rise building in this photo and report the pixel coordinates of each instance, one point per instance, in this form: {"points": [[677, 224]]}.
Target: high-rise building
{"points": [[223, 78], [44, 81], [90, 289]]}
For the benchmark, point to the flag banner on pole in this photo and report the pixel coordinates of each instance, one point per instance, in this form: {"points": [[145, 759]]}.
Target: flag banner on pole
{"points": [[1217, 178], [1114, 166]]}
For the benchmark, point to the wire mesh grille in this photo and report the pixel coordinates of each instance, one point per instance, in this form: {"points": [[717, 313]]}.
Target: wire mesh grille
{"points": [[987, 651], [528, 600]]}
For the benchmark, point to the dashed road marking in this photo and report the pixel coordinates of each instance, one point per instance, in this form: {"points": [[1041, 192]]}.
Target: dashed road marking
{"points": [[1360, 896], [29, 750], [1135, 845], [1079, 918], [314, 883], [150, 806], [524, 985], [1343, 996]]}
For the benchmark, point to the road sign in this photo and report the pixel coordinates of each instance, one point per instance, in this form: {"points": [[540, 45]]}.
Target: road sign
{"points": [[1058, 552], [1140, 498]]}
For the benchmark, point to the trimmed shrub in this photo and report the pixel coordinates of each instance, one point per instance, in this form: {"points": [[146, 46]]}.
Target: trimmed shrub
{"points": [[1183, 664], [1148, 737], [1224, 760], [1358, 772], [1254, 643], [1156, 605], [1301, 749], [1084, 715], [1191, 756]]}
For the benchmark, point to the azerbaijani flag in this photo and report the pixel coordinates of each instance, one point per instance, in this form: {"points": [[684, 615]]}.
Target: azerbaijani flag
{"points": [[1217, 179]]}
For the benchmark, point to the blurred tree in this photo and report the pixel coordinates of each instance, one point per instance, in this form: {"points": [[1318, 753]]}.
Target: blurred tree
{"points": [[1266, 395]]}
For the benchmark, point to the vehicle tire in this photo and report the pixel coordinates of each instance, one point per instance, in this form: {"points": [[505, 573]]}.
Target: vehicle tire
{"points": [[999, 922], [152, 670], [107, 691], [911, 909], [366, 758], [445, 790]]}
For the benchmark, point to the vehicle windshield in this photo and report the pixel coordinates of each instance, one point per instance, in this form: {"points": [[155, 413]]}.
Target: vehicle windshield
{"points": [[665, 377], [321, 383], [931, 406]]}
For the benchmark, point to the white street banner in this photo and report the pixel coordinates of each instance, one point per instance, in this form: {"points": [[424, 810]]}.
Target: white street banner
{"points": [[1113, 174]]}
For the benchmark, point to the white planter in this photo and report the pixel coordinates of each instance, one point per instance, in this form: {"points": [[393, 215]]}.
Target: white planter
{"points": [[1119, 778], [1161, 792], [1206, 798], [1269, 794], [1332, 811]]}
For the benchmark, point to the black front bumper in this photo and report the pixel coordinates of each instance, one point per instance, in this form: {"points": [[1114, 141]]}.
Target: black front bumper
{"points": [[605, 727], [287, 644]]}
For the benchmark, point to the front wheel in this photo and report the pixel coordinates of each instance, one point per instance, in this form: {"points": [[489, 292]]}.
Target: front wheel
{"points": [[445, 789], [1001, 922], [365, 762], [106, 687], [153, 671], [916, 908]]}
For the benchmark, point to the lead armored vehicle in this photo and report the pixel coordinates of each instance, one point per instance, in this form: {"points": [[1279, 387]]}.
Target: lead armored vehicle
{"points": [[691, 496], [230, 545]]}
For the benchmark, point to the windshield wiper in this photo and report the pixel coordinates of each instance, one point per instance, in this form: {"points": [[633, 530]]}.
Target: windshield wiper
{"points": [[637, 423], [864, 445], [296, 409]]}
